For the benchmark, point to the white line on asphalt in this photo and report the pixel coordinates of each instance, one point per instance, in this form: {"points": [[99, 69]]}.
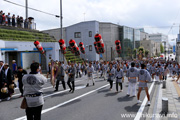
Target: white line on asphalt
{"points": [[46, 88], [140, 111], [64, 103], [76, 88]]}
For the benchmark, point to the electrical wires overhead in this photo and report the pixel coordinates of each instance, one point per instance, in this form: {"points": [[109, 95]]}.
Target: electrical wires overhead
{"points": [[32, 9]]}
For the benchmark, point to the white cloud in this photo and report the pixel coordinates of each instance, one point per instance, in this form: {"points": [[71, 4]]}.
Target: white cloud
{"points": [[134, 13]]}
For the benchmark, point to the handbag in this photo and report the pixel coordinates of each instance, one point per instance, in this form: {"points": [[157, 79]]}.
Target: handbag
{"points": [[23, 104]]}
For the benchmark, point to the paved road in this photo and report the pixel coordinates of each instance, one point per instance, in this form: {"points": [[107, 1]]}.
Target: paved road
{"points": [[91, 103]]}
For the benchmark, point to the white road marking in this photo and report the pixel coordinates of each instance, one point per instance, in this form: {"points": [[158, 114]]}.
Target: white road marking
{"points": [[64, 103], [76, 88], [140, 111], [46, 88]]}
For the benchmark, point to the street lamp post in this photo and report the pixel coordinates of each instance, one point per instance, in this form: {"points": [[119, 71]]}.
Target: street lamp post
{"points": [[61, 23], [26, 9]]}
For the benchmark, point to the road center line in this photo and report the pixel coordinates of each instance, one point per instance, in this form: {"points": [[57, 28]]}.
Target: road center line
{"points": [[64, 103], [141, 109]]}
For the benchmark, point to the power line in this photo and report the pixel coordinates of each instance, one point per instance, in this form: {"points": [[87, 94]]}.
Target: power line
{"points": [[32, 9]]}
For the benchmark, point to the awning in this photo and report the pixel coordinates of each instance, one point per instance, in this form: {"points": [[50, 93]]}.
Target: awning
{"points": [[8, 49], [46, 49]]}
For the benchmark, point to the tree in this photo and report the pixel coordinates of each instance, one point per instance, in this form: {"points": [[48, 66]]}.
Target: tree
{"points": [[146, 53], [141, 52], [162, 48]]}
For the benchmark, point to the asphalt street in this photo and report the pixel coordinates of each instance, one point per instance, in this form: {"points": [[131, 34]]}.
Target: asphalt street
{"points": [[86, 103]]}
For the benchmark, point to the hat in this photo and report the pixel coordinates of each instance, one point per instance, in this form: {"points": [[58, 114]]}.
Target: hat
{"points": [[14, 61], [6, 64]]}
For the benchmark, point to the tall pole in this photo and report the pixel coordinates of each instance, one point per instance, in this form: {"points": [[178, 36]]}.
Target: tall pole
{"points": [[61, 30], [61, 18], [26, 9]]}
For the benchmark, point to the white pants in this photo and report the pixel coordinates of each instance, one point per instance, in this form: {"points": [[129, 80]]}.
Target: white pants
{"points": [[157, 78], [97, 74], [104, 75], [170, 73], [133, 87], [90, 78]]}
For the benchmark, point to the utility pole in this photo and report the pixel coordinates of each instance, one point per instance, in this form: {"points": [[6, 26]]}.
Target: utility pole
{"points": [[61, 28], [26, 9]]}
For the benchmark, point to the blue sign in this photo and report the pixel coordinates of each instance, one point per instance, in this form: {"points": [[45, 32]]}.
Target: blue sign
{"points": [[100, 55], [174, 49]]}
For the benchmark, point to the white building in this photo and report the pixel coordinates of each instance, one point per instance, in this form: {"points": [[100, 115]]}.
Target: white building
{"points": [[25, 53], [159, 37]]}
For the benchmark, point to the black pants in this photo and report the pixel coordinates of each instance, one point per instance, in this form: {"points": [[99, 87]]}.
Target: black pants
{"points": [[111, 84], [21, 87], [63, 83], [34, 113], [164, 77], [118, 84], [69, 84]]}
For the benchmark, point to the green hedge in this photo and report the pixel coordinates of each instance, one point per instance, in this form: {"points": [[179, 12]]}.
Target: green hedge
{"points": [[15, 35]]}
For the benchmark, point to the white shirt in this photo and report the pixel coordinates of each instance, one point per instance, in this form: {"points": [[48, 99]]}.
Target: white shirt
{"points": [[6, 71]]}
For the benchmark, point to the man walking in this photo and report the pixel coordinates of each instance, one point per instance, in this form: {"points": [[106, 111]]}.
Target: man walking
{"points": [[60, 77], [21, 72]]}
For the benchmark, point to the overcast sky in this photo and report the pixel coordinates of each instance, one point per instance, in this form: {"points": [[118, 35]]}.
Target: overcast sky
{"points": [[156, 16]]}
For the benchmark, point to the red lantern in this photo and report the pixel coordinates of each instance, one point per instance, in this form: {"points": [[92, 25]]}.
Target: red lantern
{"points": [[62, 45], [97, 37], [118, 46], [39, 47]]}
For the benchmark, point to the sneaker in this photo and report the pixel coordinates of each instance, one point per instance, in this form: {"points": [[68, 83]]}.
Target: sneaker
{"points": [[0, 100], [139, 101], [134, 96], [55, 90], [70, 90], [149, 103], [93, 84], [8, 98], [121, 90], [128, 94], [87, 85]]}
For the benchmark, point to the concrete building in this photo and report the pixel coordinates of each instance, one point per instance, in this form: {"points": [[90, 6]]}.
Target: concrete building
{"points": [[159, 37], [25, 53], [178, 48], [153, 47], [85, 31]]}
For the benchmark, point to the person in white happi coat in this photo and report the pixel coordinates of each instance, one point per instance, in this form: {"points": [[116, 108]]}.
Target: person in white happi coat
{"points": [[97, 67], [174, 71], [143, 78], [159, 73], [110, 74], [170, 66], [90, 70], [105, 67], [119, 76], [132, 75]]}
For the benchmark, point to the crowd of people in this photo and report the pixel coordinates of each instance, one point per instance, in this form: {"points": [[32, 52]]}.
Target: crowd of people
{"points": [[19, 21], [31, 85]]}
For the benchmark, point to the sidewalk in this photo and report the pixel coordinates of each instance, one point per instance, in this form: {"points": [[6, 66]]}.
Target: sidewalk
{"points": [[172, 92]]}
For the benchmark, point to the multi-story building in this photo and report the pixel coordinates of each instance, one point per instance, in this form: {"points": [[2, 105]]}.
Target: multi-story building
{"points": [[159, 37], [85, 31], [178, 48], [153, 47]]}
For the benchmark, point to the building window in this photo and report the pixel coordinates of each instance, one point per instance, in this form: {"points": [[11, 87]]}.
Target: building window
{"points": [[90, 33], [90, 47], [77, 35]]}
